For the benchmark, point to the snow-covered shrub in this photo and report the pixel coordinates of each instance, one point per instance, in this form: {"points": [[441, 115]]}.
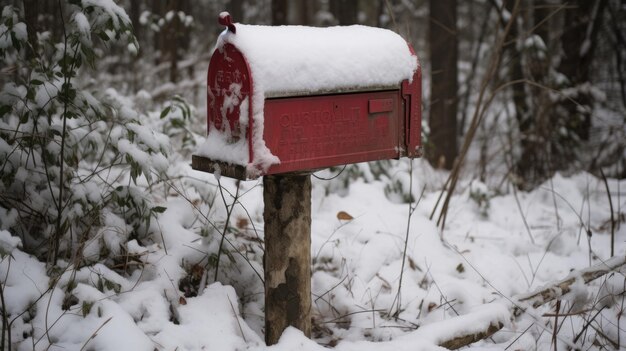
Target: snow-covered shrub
{"points": [[70, 155], [481, 195], [176, 118]]}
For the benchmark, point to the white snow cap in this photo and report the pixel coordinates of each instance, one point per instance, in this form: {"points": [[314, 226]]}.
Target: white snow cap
{"points": [[290, 60]]}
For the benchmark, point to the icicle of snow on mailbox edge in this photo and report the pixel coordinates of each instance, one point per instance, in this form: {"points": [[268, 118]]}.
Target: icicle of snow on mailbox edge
{"points": [[297, 61]]}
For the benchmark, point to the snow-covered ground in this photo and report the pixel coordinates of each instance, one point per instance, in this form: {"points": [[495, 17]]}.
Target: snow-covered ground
{"points": [[385, 275], [483, 258]]}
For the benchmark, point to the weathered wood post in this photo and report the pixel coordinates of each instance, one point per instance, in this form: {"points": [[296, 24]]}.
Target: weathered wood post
{"points": [[287, 259]]}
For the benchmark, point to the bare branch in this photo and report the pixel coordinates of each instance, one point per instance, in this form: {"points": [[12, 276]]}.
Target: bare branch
{"points": [[562, 287]]}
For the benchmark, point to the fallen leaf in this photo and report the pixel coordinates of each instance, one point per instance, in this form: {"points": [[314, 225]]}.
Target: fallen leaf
{"points": [[460, 268], [241, 223], [431, 306], [344, 216]]}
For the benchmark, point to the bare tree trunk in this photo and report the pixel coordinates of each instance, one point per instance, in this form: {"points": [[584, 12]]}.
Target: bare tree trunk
{"points": [[619, 46], [380, 10], [173, 38], [345, 11], [135, 12], [553, 129], [31, 12], [535, 129], [582, 24], [235, 7], [279, 12], [157, 39], [172, 35], [442, 144]]}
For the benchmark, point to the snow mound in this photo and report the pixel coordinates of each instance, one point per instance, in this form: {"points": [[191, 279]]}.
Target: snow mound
{"points": [[289, 60]]}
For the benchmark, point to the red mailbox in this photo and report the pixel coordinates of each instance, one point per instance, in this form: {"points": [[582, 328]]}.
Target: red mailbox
{"points": [[293, 98]]}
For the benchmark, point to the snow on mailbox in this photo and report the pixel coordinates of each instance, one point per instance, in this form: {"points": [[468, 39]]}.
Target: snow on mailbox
{"points": [[293, 98]]}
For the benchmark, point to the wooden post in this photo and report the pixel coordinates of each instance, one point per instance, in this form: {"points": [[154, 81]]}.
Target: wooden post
{"points": [[287, 259]]}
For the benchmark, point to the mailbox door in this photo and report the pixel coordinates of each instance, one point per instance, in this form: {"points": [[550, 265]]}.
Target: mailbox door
{"points": [[314, 132], [229, 93]]}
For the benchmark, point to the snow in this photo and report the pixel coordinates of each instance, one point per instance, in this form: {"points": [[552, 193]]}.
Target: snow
{"points": [[82, 23], [475, 321], [20, 31], [5, 38], [7, 218], [482, 262], [8, 243], [198, 328], [584, 48], [288, 60], [219, 146], [114, 11], [24, 280]]}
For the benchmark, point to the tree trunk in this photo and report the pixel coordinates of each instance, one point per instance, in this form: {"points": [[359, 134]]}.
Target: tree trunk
{"points": [[301, 12], [31, 12], [442, 144], [172, 41], [279, 12], [157, 38], [135, 13], [287, 259], [535, 130], [581, 25], [345, 11], [235, 8]]}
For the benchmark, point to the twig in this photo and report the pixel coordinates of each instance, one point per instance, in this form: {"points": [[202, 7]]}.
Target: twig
{"points": [[66, 96], [393, 19], [584, 329], [556, 208], [319, 251], [608, 192], [568, 314], [445, 299], [556, 324], [473, 70], [443, 188], [519, 336], [580, 218], [606, 337], [519, 207], [5, 318], [331, 289], [406, 237], [229, 211], [479, 112], [562, 287], [237, 319], [335, 320], [619, 315], [95, 333], [206, 218], [465, 340]]}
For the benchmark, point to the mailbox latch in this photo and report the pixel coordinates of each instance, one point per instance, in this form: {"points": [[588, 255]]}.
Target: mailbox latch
{"points": [[380, 105]]}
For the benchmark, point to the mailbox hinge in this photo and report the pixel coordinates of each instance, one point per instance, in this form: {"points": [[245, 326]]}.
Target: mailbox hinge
{"points": [[411, 93]]}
